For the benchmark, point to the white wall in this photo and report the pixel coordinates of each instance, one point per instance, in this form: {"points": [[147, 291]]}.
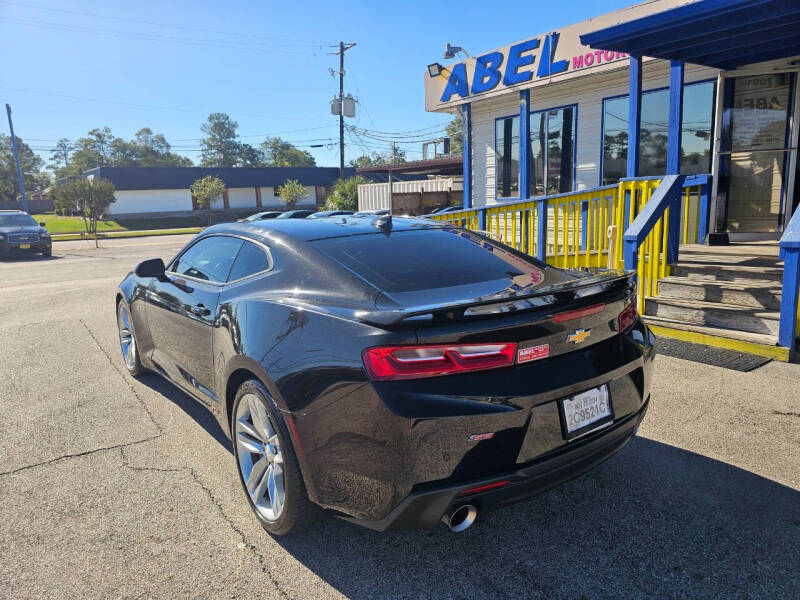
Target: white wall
{"points": [[588, 93], [242, 197], [143, 201], [375, 196]]}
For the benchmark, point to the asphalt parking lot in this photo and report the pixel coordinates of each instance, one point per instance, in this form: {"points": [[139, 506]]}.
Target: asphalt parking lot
{"points": [[115, 487]]}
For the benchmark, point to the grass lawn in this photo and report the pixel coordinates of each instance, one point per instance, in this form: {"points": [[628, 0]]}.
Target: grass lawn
{"points": [[56, 224], [128, 234]]}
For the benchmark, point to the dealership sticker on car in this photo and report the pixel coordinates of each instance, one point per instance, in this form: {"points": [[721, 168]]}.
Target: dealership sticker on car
{"points": [[584, 409], [533, 353]]}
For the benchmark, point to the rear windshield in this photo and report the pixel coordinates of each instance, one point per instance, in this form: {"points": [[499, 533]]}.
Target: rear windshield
{"points": [[408, 261]]}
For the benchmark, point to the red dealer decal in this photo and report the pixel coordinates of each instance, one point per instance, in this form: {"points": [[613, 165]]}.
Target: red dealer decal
{"points": [[533, 353]]}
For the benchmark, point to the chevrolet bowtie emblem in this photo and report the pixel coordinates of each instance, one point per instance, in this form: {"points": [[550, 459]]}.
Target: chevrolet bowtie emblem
{"points": [[579, 335]]}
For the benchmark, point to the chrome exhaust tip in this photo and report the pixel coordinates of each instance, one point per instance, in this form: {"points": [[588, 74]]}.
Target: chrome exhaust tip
{"points": [[460, 518]]}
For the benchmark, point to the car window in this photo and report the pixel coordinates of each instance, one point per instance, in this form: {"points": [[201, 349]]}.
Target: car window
{"points": [[407, 261], [251, 260], [210, 259], [17, 220]]}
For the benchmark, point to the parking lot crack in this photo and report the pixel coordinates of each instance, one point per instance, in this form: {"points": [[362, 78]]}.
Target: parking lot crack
{"points": [[218, 504], [124, 378], [78, 455]]}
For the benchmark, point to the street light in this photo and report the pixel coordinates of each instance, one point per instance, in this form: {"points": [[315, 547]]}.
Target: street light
{"points": [[435, 69], [451, 51]]}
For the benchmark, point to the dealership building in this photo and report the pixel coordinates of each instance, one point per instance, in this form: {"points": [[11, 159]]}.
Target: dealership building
{"points": [[164, 191], [669, 108]]}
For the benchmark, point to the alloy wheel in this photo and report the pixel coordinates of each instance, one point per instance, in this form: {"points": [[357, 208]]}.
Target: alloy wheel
{"points": [[260, 457], [126, 340]]}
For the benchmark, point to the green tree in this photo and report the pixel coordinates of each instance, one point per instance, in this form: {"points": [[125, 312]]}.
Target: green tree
{"points": [[250, 156], [149, 149], [206, 191], [394, 155], [220, 144], [101, 148], [88, 197], [455, 131], [280, 153], [60, 155], [31, 163], [344, 195], [292, 192]]}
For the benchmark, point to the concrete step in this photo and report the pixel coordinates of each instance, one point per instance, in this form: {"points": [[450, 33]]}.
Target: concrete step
{"points": [[736, 273], [742, 336], [753, 293], [714, 314]]}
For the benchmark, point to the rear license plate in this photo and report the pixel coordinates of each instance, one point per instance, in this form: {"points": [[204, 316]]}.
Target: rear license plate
{"points": [[24, 246], [584, 410]]}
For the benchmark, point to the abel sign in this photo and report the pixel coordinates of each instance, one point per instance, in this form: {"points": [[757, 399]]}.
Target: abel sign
{"points": [[537, 61]]}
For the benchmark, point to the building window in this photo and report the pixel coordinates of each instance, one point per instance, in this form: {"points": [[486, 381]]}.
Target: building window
{"points": [[506, 151], [696, 133], [552, 151]]}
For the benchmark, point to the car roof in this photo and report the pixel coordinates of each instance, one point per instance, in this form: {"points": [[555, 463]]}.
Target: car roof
{"points": [[304, 230]]}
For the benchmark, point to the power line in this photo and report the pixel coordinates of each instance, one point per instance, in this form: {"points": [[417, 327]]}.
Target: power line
{"points": [[148, 37], [154, 106], [166, 25]]}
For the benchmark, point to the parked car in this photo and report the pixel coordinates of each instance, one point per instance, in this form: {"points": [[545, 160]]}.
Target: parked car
{"points": [[19, 233], [270, 214], [441, 211], [373, 213], [395, 372], [295, 214], [330, 213]]}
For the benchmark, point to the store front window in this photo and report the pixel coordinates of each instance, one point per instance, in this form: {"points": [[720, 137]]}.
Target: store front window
{"points": [[552, 151], [507, 157], [696, 133]]}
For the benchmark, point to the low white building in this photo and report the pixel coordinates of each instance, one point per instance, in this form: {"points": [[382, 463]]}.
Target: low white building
{"points": [[164, 191]]}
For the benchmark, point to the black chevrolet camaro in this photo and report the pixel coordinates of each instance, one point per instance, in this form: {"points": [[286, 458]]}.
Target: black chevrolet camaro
{"points": [[394, 372]]}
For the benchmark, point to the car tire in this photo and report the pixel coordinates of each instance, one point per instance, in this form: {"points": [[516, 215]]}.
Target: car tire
{"points": [[127, 340], [48, 252], [276, 493]]}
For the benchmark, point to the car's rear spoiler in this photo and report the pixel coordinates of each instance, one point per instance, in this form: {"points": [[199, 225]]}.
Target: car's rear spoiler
{"points": [[554, 295]]}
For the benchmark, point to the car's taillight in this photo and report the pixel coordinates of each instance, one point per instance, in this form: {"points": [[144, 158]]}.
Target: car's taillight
{"points": [[627, 316], [412, 362], [578, 313]]}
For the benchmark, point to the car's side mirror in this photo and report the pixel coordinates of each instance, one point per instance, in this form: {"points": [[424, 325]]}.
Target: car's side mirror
{"points": [[42, 223], [150, 268]]}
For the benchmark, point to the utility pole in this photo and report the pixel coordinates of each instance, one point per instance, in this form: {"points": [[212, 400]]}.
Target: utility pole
{"points": [[342, 49], [16, 158]]}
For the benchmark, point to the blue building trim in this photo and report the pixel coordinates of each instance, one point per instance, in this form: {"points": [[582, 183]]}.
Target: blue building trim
{"points": [[466, 150], [674, 128], [790, 293], [524, 143], [634, 114]]}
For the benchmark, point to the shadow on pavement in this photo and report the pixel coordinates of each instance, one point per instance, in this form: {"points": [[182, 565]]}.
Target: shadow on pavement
{"points": [[654, 520], [18, 258], [194, 409]]}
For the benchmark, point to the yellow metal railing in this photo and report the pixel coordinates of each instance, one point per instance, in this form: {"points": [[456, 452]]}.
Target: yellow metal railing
{"points": [[585, 228]]}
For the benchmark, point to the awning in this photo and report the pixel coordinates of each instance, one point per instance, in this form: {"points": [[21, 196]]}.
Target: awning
{"points": [[724, 34]]}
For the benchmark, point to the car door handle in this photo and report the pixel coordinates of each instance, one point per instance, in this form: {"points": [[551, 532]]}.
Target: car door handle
{"points": [[201, 310]]}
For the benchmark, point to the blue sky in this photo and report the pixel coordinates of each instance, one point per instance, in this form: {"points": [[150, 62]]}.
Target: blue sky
{"points": [[71, 66]]}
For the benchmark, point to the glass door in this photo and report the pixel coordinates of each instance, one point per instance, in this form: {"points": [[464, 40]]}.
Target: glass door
{"points": [[759, 154]]}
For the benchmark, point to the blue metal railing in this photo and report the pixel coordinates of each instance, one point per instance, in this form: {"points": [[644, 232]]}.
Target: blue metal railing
{"points": [[789, 328]]}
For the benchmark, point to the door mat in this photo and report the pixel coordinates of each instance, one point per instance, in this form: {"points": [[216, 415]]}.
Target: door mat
{"points": [[708, 355]]}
